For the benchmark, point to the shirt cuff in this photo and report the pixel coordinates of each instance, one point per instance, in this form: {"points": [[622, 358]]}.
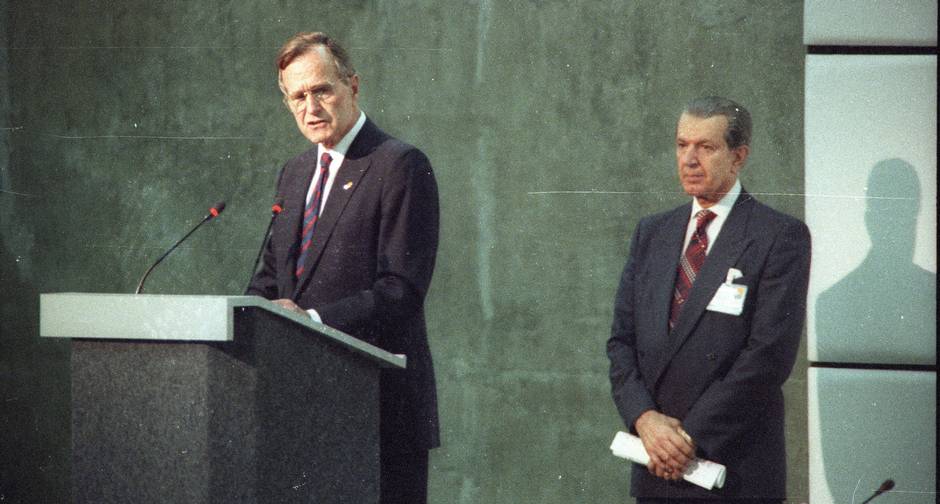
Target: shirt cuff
{"points": [[315, 316]]}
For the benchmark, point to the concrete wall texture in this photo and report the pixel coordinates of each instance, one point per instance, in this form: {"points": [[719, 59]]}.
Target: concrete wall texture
{"points": [[550, 127]]}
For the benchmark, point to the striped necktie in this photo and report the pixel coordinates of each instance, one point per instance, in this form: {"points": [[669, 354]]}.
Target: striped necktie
{"points": [[312, 212], [690, 263]]}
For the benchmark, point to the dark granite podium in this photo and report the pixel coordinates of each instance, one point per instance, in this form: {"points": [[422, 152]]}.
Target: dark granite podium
{"points": [[216, 399]]}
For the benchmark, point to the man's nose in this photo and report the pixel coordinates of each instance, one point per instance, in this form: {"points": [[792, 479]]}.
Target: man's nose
{"points": [[689, 156], [312, 104]]}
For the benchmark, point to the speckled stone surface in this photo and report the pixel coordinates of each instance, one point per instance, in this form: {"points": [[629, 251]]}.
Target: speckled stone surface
{"points": [[278, 415]]}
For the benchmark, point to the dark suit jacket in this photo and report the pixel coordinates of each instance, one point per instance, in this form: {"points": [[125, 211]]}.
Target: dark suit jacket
{"points": [[719, 374], [373, 255]]}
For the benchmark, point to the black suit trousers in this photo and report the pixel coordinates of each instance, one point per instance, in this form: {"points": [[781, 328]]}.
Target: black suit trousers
{"points": [[404, 478]]}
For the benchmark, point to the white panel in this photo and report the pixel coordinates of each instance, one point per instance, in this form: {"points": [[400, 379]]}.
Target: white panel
{"points": [[866, 426], [870, 22], [871, 205]]}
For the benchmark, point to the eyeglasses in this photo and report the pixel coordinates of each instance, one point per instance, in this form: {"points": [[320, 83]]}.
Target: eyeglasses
{"points": [[323, 94]]}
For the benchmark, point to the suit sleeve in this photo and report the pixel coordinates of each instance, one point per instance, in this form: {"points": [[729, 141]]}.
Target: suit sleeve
{"points": [[729, 406], [626, 381], [264, 281], [407, 248]]}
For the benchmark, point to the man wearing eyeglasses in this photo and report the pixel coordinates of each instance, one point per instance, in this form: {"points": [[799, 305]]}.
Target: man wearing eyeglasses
{"points": [[355, 246]]}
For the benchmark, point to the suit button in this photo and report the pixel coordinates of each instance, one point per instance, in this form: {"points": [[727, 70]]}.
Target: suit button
{"points": [[711, 356]]}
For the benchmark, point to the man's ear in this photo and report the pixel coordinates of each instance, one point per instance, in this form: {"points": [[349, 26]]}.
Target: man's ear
{"points": [[354, 85], [740, 157]]}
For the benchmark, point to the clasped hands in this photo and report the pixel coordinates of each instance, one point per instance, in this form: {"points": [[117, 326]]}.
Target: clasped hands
{"points": [[670, 448]]}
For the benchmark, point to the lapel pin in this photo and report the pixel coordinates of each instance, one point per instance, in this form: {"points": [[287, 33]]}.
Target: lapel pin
{"points": [[347, 185]]}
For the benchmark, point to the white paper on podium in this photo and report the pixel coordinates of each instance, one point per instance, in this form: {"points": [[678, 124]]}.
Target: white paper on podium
{"points": [[704, 473]]}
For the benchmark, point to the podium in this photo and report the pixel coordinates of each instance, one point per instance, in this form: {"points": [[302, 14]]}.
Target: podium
{"points": [[204, 399]]}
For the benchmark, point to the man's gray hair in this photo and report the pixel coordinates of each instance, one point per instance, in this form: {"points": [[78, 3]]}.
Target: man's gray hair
{"points": [[739, 119], [305, 42]]}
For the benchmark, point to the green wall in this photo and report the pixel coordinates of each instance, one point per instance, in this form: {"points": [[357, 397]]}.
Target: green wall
{"points": [[550, 127]]}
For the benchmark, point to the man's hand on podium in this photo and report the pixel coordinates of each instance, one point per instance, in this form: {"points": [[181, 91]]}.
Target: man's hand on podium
{"points": [[290, 305]]}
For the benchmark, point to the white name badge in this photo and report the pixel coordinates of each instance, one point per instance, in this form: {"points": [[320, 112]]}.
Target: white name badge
{"points": [[729, 299]]}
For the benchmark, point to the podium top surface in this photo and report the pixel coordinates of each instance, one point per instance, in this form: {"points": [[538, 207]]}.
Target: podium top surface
{"points": [[158, 317]]}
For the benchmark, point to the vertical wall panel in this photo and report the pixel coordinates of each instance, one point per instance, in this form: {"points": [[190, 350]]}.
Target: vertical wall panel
{"points": [[871, 177], [871, 173], [870, 22], [870, 425]]}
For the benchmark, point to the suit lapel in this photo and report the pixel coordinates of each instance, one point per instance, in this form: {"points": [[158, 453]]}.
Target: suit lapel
{"points": [[731, 242], [663, 270], [662, 274], [346, 183]]}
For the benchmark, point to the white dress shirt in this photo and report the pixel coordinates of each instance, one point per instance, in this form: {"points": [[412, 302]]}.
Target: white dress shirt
{"points": [[721, 210], [338, 153]]}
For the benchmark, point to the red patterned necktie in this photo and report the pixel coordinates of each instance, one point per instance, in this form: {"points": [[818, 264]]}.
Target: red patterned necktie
{"points": [[690, 263], [312, 212]]}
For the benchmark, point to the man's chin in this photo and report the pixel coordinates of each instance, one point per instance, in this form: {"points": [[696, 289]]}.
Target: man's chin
{"points": [[694, 191], [702, 195], [317, 137]]}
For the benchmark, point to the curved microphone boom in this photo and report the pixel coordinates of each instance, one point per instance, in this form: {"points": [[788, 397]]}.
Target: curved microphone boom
{"points": [[213, 213], [276, 209]]}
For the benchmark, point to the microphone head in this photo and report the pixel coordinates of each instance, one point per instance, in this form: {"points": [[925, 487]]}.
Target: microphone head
{"points": [[887, 485], [278, 206], [217, 209]]}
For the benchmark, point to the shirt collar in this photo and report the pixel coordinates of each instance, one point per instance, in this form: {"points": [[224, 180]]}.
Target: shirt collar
{"points": [[723, 207], [339, 150]]}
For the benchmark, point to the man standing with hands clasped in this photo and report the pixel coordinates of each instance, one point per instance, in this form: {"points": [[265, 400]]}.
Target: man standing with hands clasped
{"points": [[707, 322], [355, 245]]}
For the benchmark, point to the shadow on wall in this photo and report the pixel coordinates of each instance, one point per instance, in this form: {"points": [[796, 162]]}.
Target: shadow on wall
{"points": [[884, 310], [876, 424]]}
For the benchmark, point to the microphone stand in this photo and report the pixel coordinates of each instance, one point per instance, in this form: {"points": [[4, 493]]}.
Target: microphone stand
{"points": [[276, 209], [213, 212]]}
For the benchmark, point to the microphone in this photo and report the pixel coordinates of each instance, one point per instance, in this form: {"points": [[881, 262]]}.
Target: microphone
{"points": [[213, 213], [276, 209], [887, 485]]}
